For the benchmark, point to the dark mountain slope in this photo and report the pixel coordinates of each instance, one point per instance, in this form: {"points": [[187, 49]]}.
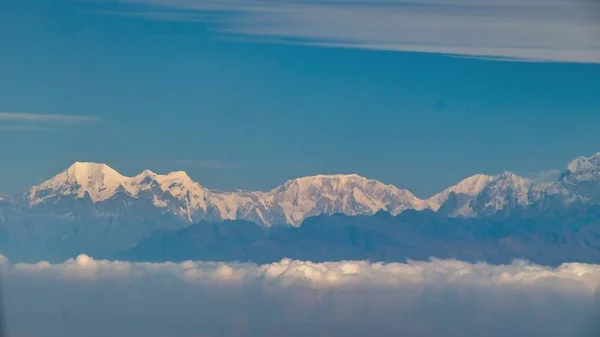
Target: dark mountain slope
{"points": [[548, 239]]}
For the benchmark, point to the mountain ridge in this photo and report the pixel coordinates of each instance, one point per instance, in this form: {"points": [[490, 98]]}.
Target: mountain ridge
{"points": [[91, 208], [296, 199], [290, 202]]}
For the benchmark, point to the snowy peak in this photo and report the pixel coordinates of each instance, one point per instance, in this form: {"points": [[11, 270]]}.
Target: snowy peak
{"points": [[483, 194], [580, 182], [583, 164], [505, 190], [91, 176], [582, 169], [146, 174], [175, 180], [349, 194], [99, 181], [85, 170], [333, 184], [510, 181], [470, 186]]}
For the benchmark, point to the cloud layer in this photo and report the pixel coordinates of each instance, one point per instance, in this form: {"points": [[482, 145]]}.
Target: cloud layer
{"points": [[577, 277], [20, 121], [538, 30], [83, 296], [39, 118]]}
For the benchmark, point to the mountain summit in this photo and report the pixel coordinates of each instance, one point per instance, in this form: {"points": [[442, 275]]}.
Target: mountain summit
{"points": [[348, 194], [99, 181]]}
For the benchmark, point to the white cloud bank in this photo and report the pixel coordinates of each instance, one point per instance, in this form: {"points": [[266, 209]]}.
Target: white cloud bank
{"points": [[41, 118], [87, 297], [526, 30], [577, 277]]}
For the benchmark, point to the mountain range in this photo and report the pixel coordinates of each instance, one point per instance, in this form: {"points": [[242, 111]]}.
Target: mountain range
{"points": [[91, 208]]}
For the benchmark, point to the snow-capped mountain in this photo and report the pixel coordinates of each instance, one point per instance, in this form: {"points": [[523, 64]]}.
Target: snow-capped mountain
{"points": [[175, 193], [482, 195], [100, 183], [349, 194], [92, 208], [470, 186], [581, 180], [486, 195], [505, 191], [290, 203]]}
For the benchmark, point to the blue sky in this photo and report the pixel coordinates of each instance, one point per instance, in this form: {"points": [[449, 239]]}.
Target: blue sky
{"points": [[246, 94]]}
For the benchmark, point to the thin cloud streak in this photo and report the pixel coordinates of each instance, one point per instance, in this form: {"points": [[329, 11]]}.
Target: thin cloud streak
{"points": [[544, 176], [533, 30], [45, 118], [21, 128]]}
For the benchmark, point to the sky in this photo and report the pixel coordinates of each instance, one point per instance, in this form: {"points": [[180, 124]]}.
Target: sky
{"points": [[248, 94], [86, 297]]}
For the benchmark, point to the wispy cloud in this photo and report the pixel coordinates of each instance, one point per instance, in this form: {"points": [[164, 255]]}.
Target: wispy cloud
{"points": [[21, 128], [543, 176], [42, 118], [538, 30]]}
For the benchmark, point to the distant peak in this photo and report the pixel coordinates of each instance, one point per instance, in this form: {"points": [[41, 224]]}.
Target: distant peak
{"points": [[584, 163], [144, 175], [507, 174], [510, 181], [85, 171], [329, 177], [472, 186], [480, 176], [101, 182], [96, 179], [84, 165], [148, 173], [178, 175], [338, 176], [325, 178]]}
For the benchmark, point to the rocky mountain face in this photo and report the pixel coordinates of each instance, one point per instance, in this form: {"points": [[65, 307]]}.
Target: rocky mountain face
{"points": [[92, 208]]}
